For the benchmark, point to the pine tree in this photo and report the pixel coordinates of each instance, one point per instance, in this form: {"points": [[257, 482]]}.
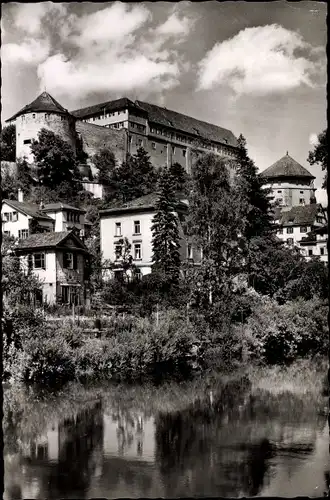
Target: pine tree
{"points": [[8, 143], [165, 231], [179, 175], [23, 176], [105, 162]]}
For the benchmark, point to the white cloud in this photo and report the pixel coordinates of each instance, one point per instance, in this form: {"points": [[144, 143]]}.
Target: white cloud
{"points": [[322, 197], [29, 16], [129, 56], [28, 52], [313, 140], [259, 60]]}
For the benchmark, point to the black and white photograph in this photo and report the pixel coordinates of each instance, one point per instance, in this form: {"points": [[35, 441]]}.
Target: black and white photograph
{"points": [[164, 250]]}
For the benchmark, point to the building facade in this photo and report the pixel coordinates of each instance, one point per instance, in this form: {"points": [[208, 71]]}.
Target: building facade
{"points": [[133, 221], [59, 260]]}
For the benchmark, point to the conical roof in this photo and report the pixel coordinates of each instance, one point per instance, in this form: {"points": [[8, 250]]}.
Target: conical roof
{"points": [[44, 102], [286, 167]]}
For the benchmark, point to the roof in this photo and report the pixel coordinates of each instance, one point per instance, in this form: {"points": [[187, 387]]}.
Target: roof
{"points": [[104, 107], [164, 117], [46, 240], [44, 102], [286, 167], [60, 206], [304, 215], [30, 209], [146, 202]]}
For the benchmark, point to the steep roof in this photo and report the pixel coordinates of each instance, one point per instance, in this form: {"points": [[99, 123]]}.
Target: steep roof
{"points": [[60, 206], [44, 102], [165, 117], [188, 124], [286, 167], [48, 240], [30, 209], [304, 215]]}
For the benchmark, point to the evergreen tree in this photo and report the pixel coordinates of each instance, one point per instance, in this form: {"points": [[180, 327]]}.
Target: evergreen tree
{"points": [[105, 162], [55, 160], [8, 143], [8, 186], [165, 231], [179, 175], [319, 155], [23, 176]]}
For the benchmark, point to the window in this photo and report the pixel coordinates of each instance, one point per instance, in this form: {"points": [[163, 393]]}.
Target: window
{"points": [[310, 252], [289, 241], [137, 251], [118, 251], [153, 145], [289, 230], [138, 274], [10, 216], [34, 115], [280, 231], [184, 153], [39, 261], [130, 139], [47, 115], [301, 192], [189, 251], [118, 229], [301, 201], [23, 234], [137, 227], [279, 191], [139, 142], [27, 141], [303, 229], [173, 150], [322, 251], [69, 260]]}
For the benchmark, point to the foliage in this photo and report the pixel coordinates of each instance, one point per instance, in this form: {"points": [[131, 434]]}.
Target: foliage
{"points": [[105, 162], [319, 155], [23, 176], [8, 186], [134, 178], [180, 177], [165, 230], [8, 143], [281, 333], [216, 222], [55, 161]]}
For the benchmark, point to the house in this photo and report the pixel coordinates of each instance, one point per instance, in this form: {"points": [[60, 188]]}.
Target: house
{"points": [[291, 184], [18, 219], [60, 261], [295, 224], [133, 220]]}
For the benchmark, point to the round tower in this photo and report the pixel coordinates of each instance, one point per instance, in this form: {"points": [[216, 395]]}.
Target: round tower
{"points": [[43, 112], [291, 183]]}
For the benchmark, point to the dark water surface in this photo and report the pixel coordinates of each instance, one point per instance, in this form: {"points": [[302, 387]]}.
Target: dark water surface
{"points": [[229, 440]]}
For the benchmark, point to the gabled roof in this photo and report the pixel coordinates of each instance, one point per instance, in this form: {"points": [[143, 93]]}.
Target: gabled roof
{"points": [[44, 102], [146, 202], [30, 209], [188, 124], [56, 207], [49, 240], [104, 107], [304, 215], [286, 167]]}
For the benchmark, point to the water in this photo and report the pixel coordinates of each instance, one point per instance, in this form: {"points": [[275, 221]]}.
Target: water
{"points": [[181, 440]]}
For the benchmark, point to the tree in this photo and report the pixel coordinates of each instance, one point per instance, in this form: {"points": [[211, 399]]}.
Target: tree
{"points": [[134, 178], [319, 155], [216, 222], [105, 162], [165, 231], [179, 175], [23, 176], [55, 160], [8, 143], [8, 186]]}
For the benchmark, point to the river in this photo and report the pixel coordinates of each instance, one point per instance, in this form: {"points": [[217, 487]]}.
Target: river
{"points": [[194, 439]]}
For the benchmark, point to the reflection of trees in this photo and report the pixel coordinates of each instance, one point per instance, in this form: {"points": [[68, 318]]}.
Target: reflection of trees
{"points": [[224, 448]]}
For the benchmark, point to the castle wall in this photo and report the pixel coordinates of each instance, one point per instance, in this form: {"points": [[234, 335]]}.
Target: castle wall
{"points": [[29, 125]]}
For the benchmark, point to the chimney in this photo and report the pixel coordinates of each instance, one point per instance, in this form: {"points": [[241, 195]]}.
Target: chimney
{"points": [[20, 195]]}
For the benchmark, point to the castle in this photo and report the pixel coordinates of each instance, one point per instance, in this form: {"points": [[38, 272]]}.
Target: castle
{"points": [[123, 126]]}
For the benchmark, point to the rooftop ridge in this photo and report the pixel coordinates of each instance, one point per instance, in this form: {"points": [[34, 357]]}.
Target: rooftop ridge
{"points": [[44, 102]]}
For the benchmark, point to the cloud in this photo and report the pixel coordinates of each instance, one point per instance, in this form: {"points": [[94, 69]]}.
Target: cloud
{"points": [[313, 140], [29, 17], [129, 56], [28, 52], [260, 60]]}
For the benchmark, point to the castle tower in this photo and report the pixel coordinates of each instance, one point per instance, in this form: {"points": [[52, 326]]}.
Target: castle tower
{"points": [[291, 184], [43, 112]]}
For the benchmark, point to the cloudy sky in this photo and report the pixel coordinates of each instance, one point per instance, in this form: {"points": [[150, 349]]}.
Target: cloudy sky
{"points": [[256, 68]]}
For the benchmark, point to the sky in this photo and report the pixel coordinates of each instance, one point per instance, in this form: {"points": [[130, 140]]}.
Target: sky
{"points": [[256, 68]]}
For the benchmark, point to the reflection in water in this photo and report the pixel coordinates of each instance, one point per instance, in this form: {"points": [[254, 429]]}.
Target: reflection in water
{"points": [[231, 443]]}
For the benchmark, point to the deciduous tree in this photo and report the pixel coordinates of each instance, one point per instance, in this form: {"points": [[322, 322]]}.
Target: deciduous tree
{"points": [[105, 162], [319, 155], [8, 143]]}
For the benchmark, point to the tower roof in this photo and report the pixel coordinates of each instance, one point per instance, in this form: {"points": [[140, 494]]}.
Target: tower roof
{"points": [[286, 167], [44, 102]]}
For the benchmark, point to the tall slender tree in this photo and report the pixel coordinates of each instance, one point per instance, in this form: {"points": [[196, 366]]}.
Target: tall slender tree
{"points": [[8, 143], [165, 230], [319, 155]]}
